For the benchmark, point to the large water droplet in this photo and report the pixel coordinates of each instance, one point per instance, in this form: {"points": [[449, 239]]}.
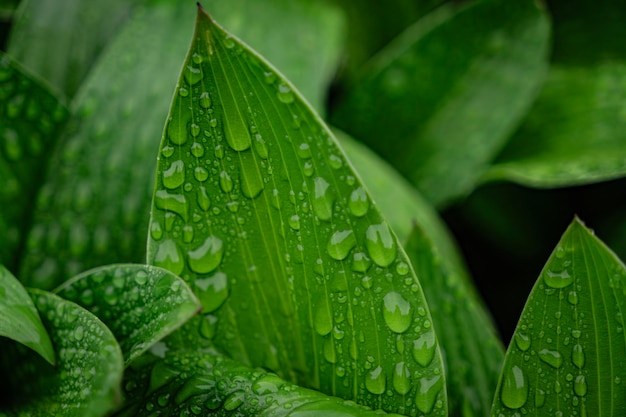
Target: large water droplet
{"points": [[375, 381], [212, 291], [201, 174], [560, 279], [329, 350], [205, 100], [358, 203], [192, 74], [323, 322], [522, 341], [360, 262], [260, 146], [580, 386], [267, 384], [284, 93], [177, 127], [237, 133], [396, 312], [226, 182], [424, 348], [174, 176], [514, 391], [156, 231], [251, 179], [402, 378], [551, 357], [207, 256], [380, 244], [322, 199], [169, 256], [202, 198], [540, 398], [176, 203], [340, 244], [197, 150], [427, 393], [578, 355]]}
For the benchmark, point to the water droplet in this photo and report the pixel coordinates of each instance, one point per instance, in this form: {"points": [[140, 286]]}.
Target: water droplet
{"points": [[174, 176], [294, 222], [540, 397], [237, 132], [551, 357], [375, 381], [308, 169], [205, 100], [234, 400], [358, 203], [207, 256], [572, 297], [192, 74], [360, 262], [335, 161], [177, 127], [197, 150], [402, 268], [580, 386], [323, 322], [284, 93], [141, 277], [304, 151], [194, 129], [270, 77], [397, 312], [329, 350], [187, 233], [366, 282], [427, 393], [183, 92], [260, 146], [203, 198], [578, 355], [559, 279], [251, 179], [340, 244], [201, 174], [514, 391], [167, 151], [226, 183], [380, 244], [175, 203], [522, 341], [212, 291], [323, 199], [402, 378], [424, 348], [169, 256]]}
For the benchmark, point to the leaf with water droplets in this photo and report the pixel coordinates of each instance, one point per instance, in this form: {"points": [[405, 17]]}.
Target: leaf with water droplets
{"points": [[442, 127], [86, 381], [19, 319], [295, 266], [141, 304], [30, 122], [191, 383], [568, 353]]}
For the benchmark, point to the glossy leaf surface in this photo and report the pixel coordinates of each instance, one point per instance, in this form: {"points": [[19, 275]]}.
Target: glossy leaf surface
{"points": [[568, 354], [442, 127], [257, 208], [19, 319], [205, 383], [141, 304], [30, 120], [88, 373]]}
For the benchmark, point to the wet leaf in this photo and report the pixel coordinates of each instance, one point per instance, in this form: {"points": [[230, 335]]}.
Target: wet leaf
{"points": [[261, 213], [87, 377], [442, 127], [61, 41], [205, 383], [19, 319], [94, 207], [141, 304], [568, 354], [31, 118]]}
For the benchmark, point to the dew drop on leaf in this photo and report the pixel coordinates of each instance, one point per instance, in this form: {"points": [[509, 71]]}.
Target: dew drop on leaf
{"points": [[424, 348], [207, 256], [396, 312], [202, 198], [560, 279], [578, 355], [322, 199], [402, 378], [205, 100], [212, 291], [192, 74], [174, 176], [375, 381], [284, 93], [551, 357], [226, 182], [580, 386], [360, 262], [329, 350], [380, 244], [176, 203], [358, 203], [197, 150], [323, 321], [522, 341], [514, 392], [169, 256], [427, 391], [340, 244]]}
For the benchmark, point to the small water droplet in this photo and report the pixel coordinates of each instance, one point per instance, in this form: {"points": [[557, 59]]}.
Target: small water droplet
{"points": [[294, 222], [578, 355], [260, 146], [207, 256], [572, 297], [551, 357], [169, 256], [205, 100], [192, 74], [323, 322], [514, 391], [304, 150], [187, 233], [380, 244], [251, 179], [197, 150], [424, 348], [201, 174], [308, 169], [329, 350], [174, 176], [167, 151], [183, 92], [202, 198], [366, 282], [402, 378], [212, 291], [358, 203], [340, 244], [540, 398], [427, 393], [284, 93], [360, 262], [375, 381], [580, 386], [402, 268], [522, 341], [177, 127], [141, 277], [323, 199], [226, 183], [560, 279], [397, 312]]}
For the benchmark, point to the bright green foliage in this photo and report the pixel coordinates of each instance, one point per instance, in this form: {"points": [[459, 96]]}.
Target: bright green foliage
{"points": [[203, 383], [141, 304], [30, 120], [19, 319], [442, 127], [256, 207], [86, 379], [568, 354]]}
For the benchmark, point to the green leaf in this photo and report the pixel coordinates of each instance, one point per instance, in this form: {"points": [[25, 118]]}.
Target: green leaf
{"points": [[87, 377], [205, 383], [306, 45], [258, 209], [19, 319], [30, 120], [568, 354], [575, 131], [7, 8], [141, 304], [60, 41], [94, 207], [442, 127]]}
